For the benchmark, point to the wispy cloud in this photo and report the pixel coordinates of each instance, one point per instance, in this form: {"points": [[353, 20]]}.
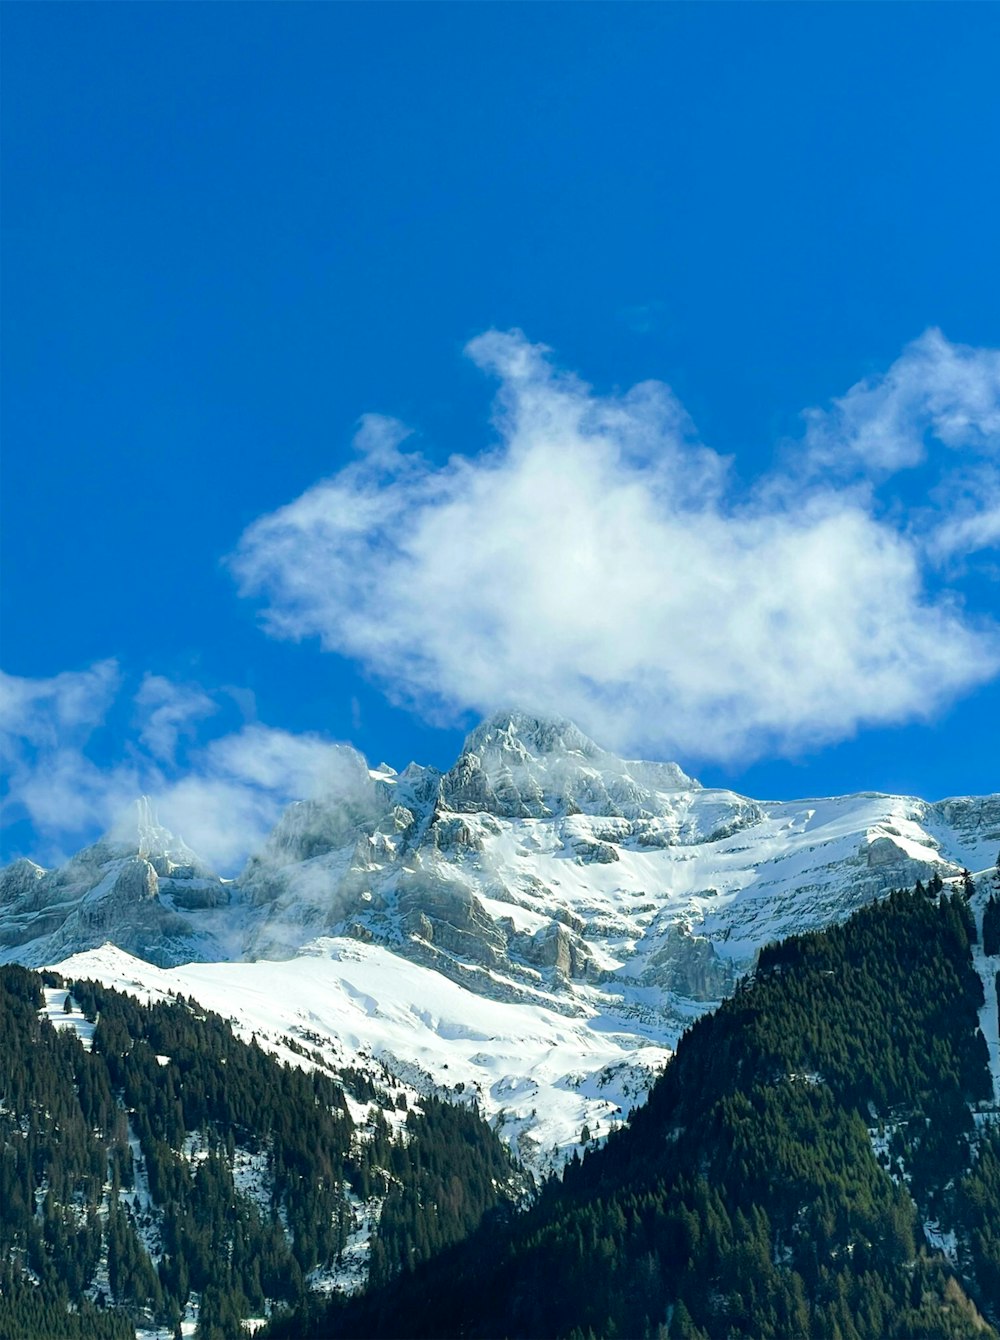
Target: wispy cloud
{"points": [[223, 799], [600, 563], [935, 392], [167, 711], [45, 725], [41, 711]]}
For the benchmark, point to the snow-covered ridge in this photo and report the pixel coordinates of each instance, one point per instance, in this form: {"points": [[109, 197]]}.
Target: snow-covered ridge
{"points": [[539, 874]]}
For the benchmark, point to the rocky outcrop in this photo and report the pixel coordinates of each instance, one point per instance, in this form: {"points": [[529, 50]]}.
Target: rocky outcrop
{"points": [[476, 783], [555, 947], [22, 887], [975, 822], [137, 880], [446, 913], [111, 891], [453, 832], [397, 822], [601, 852], [312, 828], [26, 908], [192, 893], [689, 966]]}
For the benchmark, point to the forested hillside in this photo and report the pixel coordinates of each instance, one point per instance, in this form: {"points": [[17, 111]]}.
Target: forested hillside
{"points": [[819, 1160], [158, 1167]]}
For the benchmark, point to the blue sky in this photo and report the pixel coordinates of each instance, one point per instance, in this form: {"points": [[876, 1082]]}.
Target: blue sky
{"points": [[232, 231]]}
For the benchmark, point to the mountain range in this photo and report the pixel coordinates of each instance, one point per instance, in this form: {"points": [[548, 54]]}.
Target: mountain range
{"points": [[531, 930]]}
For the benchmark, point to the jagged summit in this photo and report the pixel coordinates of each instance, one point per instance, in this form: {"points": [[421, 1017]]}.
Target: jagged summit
{"points": [[522, 732], [138, 832], [537, 847], [518, 765], [133, 886]]}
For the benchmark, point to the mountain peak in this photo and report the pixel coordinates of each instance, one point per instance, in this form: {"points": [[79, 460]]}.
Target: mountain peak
{"points": [[137, 826], [138, 831], [518, 732], [519, 765]]}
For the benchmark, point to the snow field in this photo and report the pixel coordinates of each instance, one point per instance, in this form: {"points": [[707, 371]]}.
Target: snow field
{"points": [[361, 1005]]}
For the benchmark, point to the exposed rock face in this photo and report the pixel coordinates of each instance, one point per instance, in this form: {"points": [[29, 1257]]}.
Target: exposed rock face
{"points": [[194, 893], [22, 887], [602, 852], [884, 851], [974, 821], [556, 947], [446, 913], [314, 827], [690, 966], [25, 910], [137, 880]]}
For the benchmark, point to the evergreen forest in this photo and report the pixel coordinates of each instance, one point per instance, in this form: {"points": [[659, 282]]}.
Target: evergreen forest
{"points": [[797, 1171], [123, 1195], [820, 1160]]}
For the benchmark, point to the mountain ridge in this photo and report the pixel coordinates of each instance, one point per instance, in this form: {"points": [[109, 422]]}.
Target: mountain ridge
{"points": [[539, 873]]}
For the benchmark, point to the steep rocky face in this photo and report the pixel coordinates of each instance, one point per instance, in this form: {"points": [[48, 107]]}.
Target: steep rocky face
{"points": [[324, 865], [22, 887], [971, 823], [445, 913], [28, 911], [687, 964], [127, 888], [353, 803], [555, 947]]}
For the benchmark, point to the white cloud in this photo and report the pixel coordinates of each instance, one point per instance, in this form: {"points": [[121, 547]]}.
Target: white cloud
{"points": [[166, 711], [224, 801], [239, 784], [38, 711], [596, 563], [44, 728], [966, 518], [934, 391]]}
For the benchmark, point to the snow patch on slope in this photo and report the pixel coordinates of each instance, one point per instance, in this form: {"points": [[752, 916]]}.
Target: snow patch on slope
{"points": [[362, 1005], [55, 1011]]}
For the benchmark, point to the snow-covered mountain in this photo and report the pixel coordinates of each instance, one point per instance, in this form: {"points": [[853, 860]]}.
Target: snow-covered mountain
{"points": [[534, 927]]}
